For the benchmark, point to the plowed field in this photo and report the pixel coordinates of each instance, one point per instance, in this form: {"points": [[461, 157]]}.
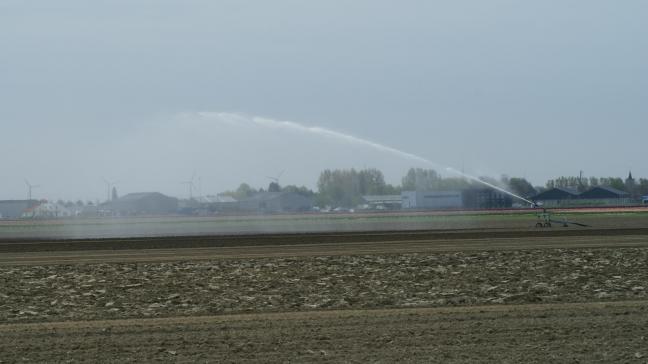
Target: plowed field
{"points": [[506, 296]]}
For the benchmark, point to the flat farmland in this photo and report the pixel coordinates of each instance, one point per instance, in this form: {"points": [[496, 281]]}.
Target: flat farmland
{"points": [[548, 333], [462, 295], [301, 223]]}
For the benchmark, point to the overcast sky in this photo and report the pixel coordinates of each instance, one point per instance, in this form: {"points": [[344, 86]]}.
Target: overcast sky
{"points": [[112, 89]]}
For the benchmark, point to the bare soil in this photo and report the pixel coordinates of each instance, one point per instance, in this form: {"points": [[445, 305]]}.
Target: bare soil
{"points": [[548, 333], [189, 288], [560, 298]]}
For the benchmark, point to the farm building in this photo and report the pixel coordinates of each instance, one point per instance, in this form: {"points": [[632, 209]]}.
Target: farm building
{"points": [[485, 198], [47, 209], [15, 209], [558, 196], [269, 202], [219, 203], [595, 196], [601, 195], [471, 198], [144, 203], [383, 202], [434, 200]]}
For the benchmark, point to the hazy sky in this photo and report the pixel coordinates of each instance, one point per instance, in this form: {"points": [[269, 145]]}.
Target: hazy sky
{"points": [[92, 89]]}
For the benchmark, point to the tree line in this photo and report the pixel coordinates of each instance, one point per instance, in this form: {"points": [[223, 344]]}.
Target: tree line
{"points": [[345, 187], [635, 188]]}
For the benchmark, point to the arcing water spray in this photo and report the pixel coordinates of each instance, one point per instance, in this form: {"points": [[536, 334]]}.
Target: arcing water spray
{"points": [[231, 118]]}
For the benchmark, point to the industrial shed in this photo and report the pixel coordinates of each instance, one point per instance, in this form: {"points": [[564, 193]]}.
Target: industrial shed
{"points": [[15, 209], [602, 195], [485, 198], [145, 203], [470, 198], [595, 196], [379, 202], [219, 203], [433, 200]]}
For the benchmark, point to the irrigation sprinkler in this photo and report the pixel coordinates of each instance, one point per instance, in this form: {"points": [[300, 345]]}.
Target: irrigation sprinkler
{"points": [[546, 219]]}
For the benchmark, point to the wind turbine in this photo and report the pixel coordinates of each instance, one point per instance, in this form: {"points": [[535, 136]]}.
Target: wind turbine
{"points": [[276, 179], [109, 184], [30, 187], [190, 184], [200, 193]]}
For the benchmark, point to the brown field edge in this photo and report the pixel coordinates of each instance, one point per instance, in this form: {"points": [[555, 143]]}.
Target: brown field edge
{"points": [[216, 241]]}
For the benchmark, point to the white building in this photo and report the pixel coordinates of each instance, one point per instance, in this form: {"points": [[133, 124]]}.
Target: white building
{"points": [[50, 210]]}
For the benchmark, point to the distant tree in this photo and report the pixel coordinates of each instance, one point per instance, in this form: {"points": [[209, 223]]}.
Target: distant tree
{"points": [[586, 183], [392, 190], [304, 191], [419, 179], [338, 188], [345, 187], [371, 182], [243, 191], [79, 203], [521, 186], [274, 187], [614, 182], [618, 183], [642, 187], [114, 194], [580, 184]]}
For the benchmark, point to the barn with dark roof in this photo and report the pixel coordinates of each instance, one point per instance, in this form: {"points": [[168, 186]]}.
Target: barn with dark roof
{"points": [[557, 196], [145, 203], [603, 195], [595, 196]]}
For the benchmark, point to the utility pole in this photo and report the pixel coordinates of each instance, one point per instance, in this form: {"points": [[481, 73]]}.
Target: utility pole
{"points": [[30, 187], [29, 202], [190, 183]]}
